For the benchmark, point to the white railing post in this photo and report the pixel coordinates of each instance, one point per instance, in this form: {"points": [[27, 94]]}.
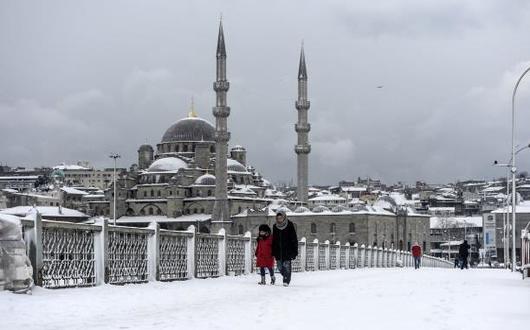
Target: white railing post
{"points": [[35, 249], [385, 258], [347, 255], [248, 253], [190, 251], [222, 252], [369, 256], [380, 256], [337, 255], [355, 254], [153, 252], [316, 254], [362, 256], [101, 240], [303, 254]]}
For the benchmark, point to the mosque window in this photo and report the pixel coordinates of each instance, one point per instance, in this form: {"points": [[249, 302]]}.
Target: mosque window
{"points": [[145, 193], [239, 209], [150, 210], [209, 193], [152, 193], [185, 148], [313, 228], [332, 227], [241, 229], [352, 227], [158, 193], [178, 148], [195, 210], [212, 149]]}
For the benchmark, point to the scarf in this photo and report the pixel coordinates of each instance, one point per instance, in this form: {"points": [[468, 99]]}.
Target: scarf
{"points": [[283, 225]]}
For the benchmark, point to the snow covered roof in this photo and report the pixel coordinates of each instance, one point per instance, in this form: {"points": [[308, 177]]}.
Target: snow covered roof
{"points": [[168, 164], [191, 218], [45, 211], [70, 167], [456, 222], [19, 177], [327, 198], [352, 189], [235, 166], [205, 180], [523, 207], [73, 191], [493, 189]]}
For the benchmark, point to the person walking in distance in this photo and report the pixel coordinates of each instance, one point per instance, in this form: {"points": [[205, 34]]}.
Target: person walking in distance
{"points": [[264, 259], [416, 253], [284, 245], [463, 253]]}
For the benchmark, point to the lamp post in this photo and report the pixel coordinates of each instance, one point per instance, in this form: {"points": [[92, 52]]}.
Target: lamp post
{"points": [[506, 217], [513, 168], [115, 156]]}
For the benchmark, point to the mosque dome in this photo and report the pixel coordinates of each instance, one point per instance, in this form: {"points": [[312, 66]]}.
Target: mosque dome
{"points": [[190, 129], [235, 166], [205, 180], [168, 164]]}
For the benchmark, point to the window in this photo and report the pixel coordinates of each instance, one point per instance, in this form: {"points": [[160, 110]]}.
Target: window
{"points": [[241, 229], [158, 193], [313, 228], [159, 212], [142, 212], [239, 209], [152, 193], [352, 227], [178, 148], [185, 148], [332, 227], [150, 210], [209, 193], [195, 210]]}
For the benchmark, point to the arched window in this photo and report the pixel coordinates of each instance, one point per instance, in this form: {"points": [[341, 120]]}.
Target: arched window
{"points": [[240, 229], [150, 210], [332, 227], [352, 227], [313, 228]]}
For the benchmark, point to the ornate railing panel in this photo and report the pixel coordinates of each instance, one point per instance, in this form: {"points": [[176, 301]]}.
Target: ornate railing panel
{"points": [[68, 257], [352, 262], [127, 255], [254, 247], [207, 258], [343, 261], [173, 260], [310, 256], [296, 265], [333, 256], [322, 257], [235, 255]]}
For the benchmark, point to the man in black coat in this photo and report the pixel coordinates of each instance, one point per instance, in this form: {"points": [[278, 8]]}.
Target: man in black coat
{"points": [[284, 245], [463, 253]]}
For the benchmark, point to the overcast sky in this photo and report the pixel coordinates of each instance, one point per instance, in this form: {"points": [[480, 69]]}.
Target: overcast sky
{"points": [[79, 79]]}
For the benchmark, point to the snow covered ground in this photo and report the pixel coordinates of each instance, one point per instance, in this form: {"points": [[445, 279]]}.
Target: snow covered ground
{"points": [[363, 299]]}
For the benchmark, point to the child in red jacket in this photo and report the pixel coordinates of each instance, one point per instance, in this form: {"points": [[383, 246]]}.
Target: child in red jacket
{"points": [[264, 259]]}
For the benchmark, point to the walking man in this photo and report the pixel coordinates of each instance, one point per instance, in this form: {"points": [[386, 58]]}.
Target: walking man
{"points": [[416, 253], [284, 245], [463, 253]]}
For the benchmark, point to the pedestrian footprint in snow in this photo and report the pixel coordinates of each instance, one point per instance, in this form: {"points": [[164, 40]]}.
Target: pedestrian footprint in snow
{"points": [[264, 259]]}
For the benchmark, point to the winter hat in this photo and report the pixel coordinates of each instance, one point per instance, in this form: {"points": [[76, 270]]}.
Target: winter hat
{"points": [[265, 228]]}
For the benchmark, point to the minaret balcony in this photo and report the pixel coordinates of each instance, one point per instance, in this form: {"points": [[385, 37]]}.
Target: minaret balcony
{"points": [[221, 86], [302, 128], [302, 149], [221, 112], [302, 104], [222, 137]]}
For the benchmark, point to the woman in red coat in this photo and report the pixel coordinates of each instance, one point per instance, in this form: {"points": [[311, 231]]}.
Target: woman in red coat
{"points": [[264, 259]]}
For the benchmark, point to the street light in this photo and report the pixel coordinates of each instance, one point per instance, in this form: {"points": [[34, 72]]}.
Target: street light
{"points": [[506, 218], [513, 169], [115, 156]]}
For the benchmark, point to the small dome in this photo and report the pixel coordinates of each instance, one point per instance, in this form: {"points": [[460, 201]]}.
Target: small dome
{"points": [[320, 208], [205, 180], [338, 208], [168, 164], [190, 129], [145, 147], [301, 209], [238, 148], [235, 166]]}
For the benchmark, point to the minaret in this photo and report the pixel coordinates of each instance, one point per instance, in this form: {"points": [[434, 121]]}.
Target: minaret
{"points": [[302, 128], [221, 112]]}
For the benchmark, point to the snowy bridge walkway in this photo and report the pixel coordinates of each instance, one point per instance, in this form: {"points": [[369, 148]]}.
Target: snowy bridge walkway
{"points": [[347, 299]]}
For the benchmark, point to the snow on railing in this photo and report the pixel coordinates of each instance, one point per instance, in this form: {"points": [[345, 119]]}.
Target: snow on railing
{"points": [[74, 255]]}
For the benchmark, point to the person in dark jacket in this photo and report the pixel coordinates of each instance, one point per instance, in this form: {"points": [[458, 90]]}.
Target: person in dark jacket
{"points": [[284, 245], [264, 259], [416, 253], [463, 253]]}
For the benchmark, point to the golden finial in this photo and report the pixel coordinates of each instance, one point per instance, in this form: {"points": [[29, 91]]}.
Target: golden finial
{"points": [[192, 113]]}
